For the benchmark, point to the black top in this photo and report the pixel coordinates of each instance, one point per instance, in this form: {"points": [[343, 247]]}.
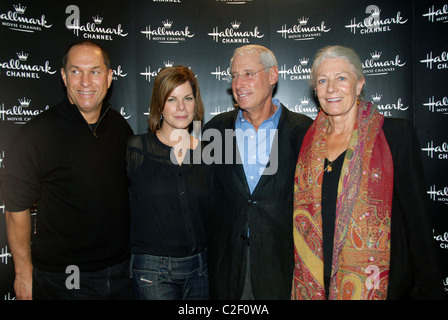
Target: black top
{"points": [[78, 180], [329, 198], [415, 270], [169, 203]]}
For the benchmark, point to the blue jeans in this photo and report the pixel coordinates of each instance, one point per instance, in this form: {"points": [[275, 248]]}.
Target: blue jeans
{"points": [[111, 283], [166, 278]]}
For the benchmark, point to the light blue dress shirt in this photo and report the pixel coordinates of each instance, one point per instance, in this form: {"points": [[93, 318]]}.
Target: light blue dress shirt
{"points": [[255, 145]]}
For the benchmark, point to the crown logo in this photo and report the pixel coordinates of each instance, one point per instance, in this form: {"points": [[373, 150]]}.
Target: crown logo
{"points": [[24, 102], [375, 12], [304, 101], [304, 61], [22, 56], [97, 19], [376, 97], [375, 55], [168, 63], [19, 8], [167, 24], [235, 24], [303, 21]]}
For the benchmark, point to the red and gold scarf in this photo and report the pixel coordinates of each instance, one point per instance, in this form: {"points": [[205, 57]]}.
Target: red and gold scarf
{"points": [[361, 252]]}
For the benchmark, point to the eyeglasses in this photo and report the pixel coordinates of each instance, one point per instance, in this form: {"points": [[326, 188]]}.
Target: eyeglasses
{"points": [[246, 75]]}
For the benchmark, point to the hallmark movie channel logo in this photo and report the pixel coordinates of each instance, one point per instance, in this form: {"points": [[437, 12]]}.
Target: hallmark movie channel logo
{"points": [[167, 33], [303, 30], [20, 113], [19, 67], [378, 64], [299, 71], [437, 14], [118, 73], [438, 151], [437, 105], [222, 74], [305, 107], [375, 22], [92, 30], [235, 34], [438, 194], [152, 73], [439, 61], [18, 20]]}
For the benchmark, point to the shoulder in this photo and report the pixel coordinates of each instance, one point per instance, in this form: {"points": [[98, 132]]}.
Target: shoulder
{"points": [[136, 141]]}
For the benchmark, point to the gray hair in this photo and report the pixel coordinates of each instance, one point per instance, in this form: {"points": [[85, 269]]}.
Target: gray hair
{"points": [[267, 57], [341, 52]]}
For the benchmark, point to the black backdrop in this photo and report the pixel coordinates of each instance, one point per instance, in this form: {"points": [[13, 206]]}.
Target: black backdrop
{"points": [[402, 43]]}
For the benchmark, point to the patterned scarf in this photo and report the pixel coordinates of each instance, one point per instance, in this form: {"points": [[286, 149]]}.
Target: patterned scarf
{"points": [[361, 252]]}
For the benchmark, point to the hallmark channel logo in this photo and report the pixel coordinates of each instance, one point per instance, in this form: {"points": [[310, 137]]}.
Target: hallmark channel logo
{"points": [[442, 238], [378, 64], [167, 33], [21, 113], [375, 22], [20, 68], [439, 151], [437, 14], [93, 30], [17, 20], [302, 30], [437, 61], [235, 34], [387, 108], [222, 75], [299, 71], [437, 106]]}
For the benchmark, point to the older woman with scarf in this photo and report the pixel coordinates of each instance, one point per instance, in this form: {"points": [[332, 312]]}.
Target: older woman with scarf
{"points": [[361, 226]]}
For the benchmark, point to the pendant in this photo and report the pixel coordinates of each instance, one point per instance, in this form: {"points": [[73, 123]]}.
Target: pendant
{"points": [[329, 168]]}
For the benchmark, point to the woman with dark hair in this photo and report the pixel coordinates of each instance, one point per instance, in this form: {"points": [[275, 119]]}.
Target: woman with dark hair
{"points": [[169, 193]]}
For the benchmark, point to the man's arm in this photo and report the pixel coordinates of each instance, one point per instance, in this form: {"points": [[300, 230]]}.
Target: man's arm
{"points": [[18, 228]]}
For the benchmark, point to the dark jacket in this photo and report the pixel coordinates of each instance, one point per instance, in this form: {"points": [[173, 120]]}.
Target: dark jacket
{"points": [[415, 271], [78, 180], [268, 212]]}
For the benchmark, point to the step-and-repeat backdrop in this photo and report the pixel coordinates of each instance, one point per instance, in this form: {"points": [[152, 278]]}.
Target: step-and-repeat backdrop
{"points": [[402, 44]]}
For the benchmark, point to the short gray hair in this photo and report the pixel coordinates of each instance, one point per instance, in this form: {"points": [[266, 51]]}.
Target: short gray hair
{"points": [[267, 57], [341, 52]]}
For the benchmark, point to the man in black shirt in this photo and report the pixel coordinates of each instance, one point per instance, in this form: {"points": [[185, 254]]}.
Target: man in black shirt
{"points": [[70, 160]]}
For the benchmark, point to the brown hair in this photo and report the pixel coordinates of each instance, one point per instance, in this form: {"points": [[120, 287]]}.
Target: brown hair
{"points": [[166, 81]]}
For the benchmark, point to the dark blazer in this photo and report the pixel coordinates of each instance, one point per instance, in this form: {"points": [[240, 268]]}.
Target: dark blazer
{"points": [[415, 270], [268, 212]]}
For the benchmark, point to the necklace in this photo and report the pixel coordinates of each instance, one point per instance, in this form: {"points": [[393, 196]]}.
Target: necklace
{"points": [[329, 166]]}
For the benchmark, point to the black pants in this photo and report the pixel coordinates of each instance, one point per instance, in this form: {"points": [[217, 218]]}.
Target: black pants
{"points": [[111, 283]]}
